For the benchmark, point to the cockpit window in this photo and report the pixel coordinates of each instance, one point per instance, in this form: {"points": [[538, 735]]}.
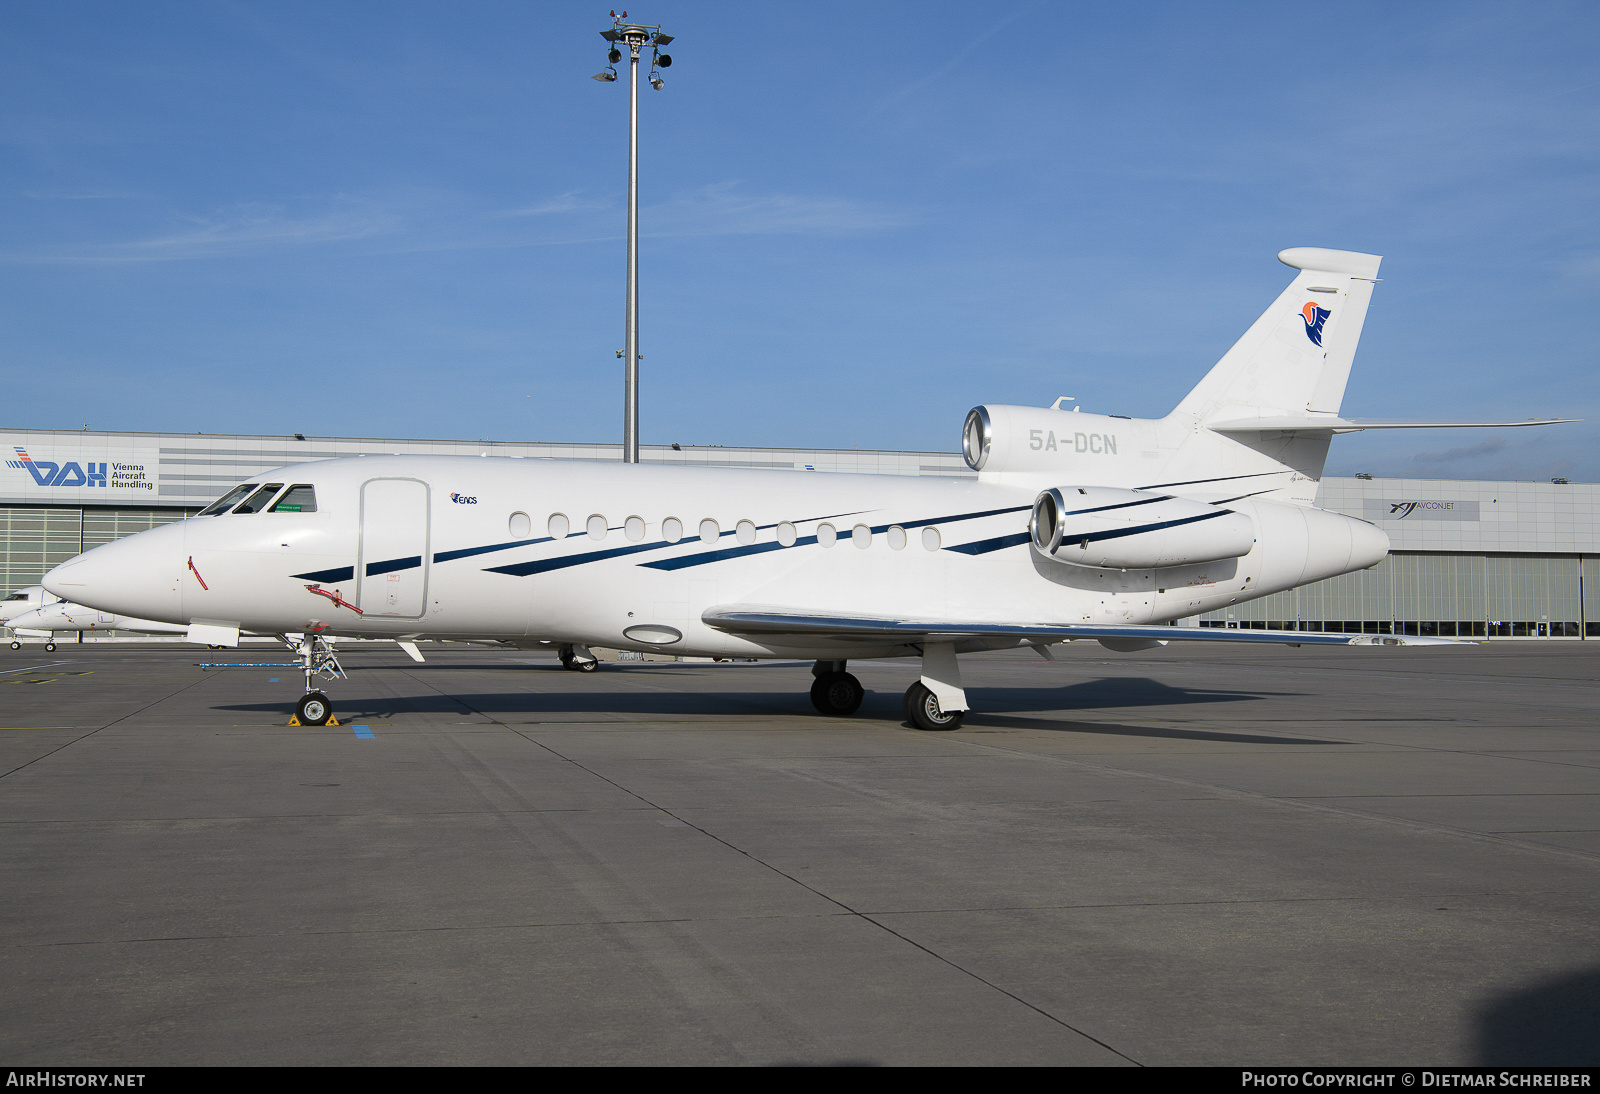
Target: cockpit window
{"points": [[258, 500], [222, 503], [17, 596], [299, 498]]}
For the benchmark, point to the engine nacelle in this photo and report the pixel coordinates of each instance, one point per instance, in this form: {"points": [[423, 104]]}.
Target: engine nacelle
{"points": [[1065, 445], [1108, 527]]}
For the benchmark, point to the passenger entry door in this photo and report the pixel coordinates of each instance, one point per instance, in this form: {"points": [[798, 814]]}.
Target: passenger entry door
{"points": [[393, 570]]}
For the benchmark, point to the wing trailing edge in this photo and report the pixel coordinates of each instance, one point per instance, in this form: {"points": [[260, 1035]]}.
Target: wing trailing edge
{"points": [[776, 622]]}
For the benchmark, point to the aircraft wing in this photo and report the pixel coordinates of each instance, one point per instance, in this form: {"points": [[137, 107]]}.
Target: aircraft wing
{"points": [[1335, 424], [768, 622]]}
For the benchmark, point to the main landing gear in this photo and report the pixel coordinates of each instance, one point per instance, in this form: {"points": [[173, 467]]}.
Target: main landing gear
{"points": [[936, 701], [316, 654], [835, 692], [577, 658]]}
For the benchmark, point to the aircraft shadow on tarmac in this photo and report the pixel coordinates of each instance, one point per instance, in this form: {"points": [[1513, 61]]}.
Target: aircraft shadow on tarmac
{"points": [[991, 706], [1553, 1022]]}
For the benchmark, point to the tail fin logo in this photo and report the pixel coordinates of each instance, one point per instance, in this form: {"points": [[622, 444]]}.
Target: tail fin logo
{"points": [[1314, 318]]}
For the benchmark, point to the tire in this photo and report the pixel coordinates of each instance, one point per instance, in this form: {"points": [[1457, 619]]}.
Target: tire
{"points": [[837, 694], [49, 647], [16, 645], [922, 710], [314, 709], [583, 666]]}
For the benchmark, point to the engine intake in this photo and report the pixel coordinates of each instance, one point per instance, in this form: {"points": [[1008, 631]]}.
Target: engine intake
{"points": [[1107, 527]]}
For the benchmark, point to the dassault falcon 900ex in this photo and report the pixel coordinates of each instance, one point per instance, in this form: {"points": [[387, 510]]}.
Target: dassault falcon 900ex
{"points": [[1077, 526]]}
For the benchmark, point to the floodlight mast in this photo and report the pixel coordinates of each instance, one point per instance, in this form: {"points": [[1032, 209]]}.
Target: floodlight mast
{"points": [[636, 37]]}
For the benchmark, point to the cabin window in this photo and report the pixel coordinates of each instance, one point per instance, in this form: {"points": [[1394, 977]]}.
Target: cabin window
{"points": [[861, 535], [709, 530], [559, 526], [746, 531], [520, 526], [300, 498], [827, 535], [930, 538], [787, 534], [672, 529], [258, 500], [228, 499], [597, 527], [633, 528], [897, 538]]}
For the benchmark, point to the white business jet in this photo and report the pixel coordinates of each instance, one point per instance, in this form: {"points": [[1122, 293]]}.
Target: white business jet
{"points": [[1077, 526], [21, 602], [64, 616]]}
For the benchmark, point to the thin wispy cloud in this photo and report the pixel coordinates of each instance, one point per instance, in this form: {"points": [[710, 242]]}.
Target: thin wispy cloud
{"points": [[247, 228], [1483, 448], [723, 209], [572, 201], [955, 62]]}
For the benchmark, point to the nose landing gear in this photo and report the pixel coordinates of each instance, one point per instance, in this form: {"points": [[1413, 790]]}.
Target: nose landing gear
{"points": [[316, 654]]}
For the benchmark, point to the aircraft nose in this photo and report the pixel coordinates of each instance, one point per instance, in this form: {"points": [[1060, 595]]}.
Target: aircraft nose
{"points": [[136, 576]]}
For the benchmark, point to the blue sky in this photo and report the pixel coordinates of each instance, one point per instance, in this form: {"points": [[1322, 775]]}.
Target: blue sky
{"points": [[406, 219]]}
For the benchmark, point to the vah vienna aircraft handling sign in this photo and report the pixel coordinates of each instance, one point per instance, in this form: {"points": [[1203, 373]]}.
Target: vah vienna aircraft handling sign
{"points": [[43, 469]]}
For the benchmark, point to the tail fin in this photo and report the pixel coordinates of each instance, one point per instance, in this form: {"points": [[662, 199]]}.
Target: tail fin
{"points": [[1296, 358]]}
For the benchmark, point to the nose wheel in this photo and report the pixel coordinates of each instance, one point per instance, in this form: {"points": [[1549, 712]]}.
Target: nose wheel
{"points": [[314, 709], [316, 655]]}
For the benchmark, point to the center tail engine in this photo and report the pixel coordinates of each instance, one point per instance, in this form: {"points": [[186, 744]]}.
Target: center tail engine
{"points": [[1107, 527]]}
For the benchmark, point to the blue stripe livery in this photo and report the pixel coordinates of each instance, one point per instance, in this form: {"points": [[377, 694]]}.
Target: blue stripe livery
{"points": [[342, 573], [389, 566]]}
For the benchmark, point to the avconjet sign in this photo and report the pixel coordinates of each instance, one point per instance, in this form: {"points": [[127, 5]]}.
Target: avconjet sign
{"points": [[1381, 509]]}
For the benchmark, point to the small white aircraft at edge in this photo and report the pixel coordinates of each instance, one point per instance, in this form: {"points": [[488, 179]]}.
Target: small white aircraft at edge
{"points": [[46, 621], [1077, 526]]}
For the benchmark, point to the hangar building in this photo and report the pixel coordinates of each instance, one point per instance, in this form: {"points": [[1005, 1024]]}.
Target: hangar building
{"points": [[1470, 559]]}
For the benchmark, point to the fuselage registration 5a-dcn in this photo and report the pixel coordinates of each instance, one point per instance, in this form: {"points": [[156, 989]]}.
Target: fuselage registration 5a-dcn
{"points": [[1077, 526]]}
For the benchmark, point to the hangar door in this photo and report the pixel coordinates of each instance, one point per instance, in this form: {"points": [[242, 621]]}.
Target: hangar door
{"points": [[394, 548]]}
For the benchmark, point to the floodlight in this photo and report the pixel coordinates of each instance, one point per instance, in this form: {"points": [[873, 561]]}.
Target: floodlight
{"points": [[663, 39], [605, 77], [664, 60], [615, 55], [657, 82]]}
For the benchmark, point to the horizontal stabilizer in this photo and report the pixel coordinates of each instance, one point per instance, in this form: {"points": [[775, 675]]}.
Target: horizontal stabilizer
{"points": [[1333, 424], [771, 622]]}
